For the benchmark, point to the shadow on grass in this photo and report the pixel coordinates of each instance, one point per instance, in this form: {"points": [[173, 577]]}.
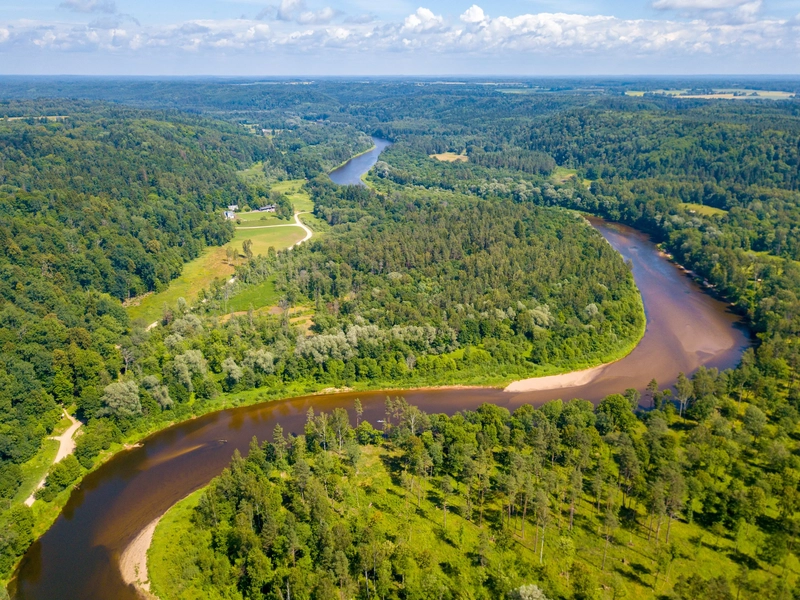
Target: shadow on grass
{"points": [[633, 575], [740, 558]]}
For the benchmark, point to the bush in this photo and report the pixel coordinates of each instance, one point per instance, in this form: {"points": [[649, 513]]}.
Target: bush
{"points": [[96, 437], [10, 479], [61, 475]]}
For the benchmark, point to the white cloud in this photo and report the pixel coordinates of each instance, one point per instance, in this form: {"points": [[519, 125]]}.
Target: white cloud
{"points": [[90, 6], [474, 32], [474, 14], [288, 8], [700, 4], [422, 20], [323, 16]]}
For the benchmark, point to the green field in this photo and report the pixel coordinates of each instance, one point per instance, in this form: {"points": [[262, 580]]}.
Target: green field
{"points": [[36, 468], [275, 237], [292, 188], [256, 296], [254, 175], [199, 273], [249, 219], [702, 209]]}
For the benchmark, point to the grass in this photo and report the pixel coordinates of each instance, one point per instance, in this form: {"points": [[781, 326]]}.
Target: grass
{"points": [[36, 468], [254, 175], [197, 274], [720, 94], [450, 157], [249, 219], [264, 239], [702, 209], [256, 296], [292, 188], [210, 265], [168, 540]]}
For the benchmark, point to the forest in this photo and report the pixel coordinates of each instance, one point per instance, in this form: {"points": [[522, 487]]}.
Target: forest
{"points": [[564, 501], [468, 272]]}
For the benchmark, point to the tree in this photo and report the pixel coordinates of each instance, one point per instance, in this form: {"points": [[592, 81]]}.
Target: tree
{"points": [[121, 399], [359, 410], [247, 248], [614, 414], [610, 523], [527, 592], [446, 489], [754, 421], [542, 509], [684, 387], [584, 587]]}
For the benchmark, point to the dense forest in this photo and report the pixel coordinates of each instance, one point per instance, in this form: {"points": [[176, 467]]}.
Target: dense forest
{"points": [[438, 272]]}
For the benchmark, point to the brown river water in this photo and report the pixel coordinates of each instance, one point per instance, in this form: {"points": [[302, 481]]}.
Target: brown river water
{"points": [[78, 557]]}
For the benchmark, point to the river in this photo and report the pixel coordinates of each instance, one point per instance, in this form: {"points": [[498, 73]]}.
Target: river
{"points": [[350, 173], [77, 558]]}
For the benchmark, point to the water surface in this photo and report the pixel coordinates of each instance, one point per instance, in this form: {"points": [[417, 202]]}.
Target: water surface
{"points": [[350, 173]]}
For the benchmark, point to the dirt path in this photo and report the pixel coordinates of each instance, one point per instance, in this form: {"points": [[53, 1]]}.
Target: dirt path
{"points": [[307, 229], [66, 444]]}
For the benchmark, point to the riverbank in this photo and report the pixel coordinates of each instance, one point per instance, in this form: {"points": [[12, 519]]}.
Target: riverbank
{"points": [[344, 162], [133, 561]]}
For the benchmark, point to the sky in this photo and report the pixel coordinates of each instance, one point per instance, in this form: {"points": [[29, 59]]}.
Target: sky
{"points": [[399, 37]]}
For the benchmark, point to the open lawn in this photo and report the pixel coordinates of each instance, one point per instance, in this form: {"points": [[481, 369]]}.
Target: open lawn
{"points": [[275, 237], [199, 273], [299, 197], [248, 219], [701, 209], [450, 157], [255, 296]]}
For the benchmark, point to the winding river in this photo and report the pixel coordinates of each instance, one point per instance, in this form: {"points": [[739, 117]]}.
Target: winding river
{"points": [[78, 557], [350, 172]]}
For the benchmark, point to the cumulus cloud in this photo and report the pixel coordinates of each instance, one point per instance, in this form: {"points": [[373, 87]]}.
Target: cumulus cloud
{"points": [[474, 14], [423, 31], [422, 20], [90, 6]]}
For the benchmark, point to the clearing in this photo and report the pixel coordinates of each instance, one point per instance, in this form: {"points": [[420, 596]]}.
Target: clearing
{"points": [[451, 157], [719, 94], [213, 263], [702, 209]]}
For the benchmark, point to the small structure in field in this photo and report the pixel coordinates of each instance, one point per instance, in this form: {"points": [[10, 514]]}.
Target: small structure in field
{"points": [[229, 214]]}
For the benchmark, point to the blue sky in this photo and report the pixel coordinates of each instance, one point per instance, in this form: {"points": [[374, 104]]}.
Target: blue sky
{"points": [[399, 37]]}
